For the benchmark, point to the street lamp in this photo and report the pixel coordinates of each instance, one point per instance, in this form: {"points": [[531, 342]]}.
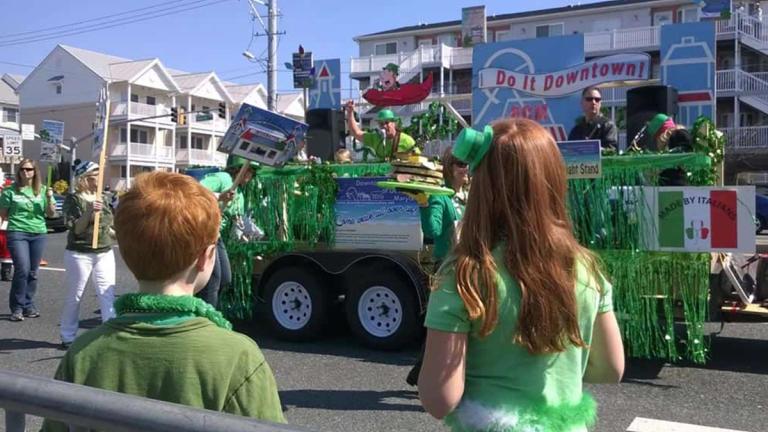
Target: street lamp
{"points": [[247, 54]]}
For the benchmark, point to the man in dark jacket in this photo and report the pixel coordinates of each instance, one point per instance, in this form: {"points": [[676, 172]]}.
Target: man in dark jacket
{"points": [[592, 125]]}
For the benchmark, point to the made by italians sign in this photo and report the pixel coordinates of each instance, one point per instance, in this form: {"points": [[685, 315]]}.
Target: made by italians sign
{"points": [[619, 67], [701, 219]]}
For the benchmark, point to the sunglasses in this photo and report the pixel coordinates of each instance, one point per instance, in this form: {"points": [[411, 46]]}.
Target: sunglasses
{"points": [[593, 99], [26, 169], [460, 164]]}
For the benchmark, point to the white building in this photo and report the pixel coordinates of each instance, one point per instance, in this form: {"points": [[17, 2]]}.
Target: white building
{"points": [[65, 87], [609, 27], [9, 113]]}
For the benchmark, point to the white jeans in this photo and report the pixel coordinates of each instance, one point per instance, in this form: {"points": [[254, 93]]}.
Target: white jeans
{"points": [[80, 266]]}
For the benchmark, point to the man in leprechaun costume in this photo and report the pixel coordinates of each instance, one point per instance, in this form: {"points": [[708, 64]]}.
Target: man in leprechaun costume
{"points": [[385, 143]]}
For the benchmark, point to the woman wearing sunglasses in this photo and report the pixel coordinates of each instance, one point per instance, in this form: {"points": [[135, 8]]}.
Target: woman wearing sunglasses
{"points": [[440, 217], [24, 205]]}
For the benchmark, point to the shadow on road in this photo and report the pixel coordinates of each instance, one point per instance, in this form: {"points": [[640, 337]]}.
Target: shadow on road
{"points": [[736, 355], [337, 342], [14, 344], [349, 400]]}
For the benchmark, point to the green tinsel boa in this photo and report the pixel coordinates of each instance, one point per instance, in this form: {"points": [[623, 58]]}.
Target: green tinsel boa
{"points": [[158, 303]]}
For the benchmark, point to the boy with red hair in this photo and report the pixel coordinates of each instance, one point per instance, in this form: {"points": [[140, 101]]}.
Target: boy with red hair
{"points": [[164, 343]]}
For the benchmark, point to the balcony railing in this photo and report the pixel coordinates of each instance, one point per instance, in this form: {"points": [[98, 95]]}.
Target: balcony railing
{"points": [[140, 110], [747, 137], [748, 28], [736, 80], [200, 157], [143, 151]]}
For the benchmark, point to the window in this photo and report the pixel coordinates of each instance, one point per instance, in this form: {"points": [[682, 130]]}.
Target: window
{"points": [[10, 115], [150, 100], [197, 142], [123, 170], [448, 39], [385, 48], [662, 18], [182, 141], [134, 97], [139, 136], [686, 15], [58, 88], [123, 135], [503, 35], [548, 30]]}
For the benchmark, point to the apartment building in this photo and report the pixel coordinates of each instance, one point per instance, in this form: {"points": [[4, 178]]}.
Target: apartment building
{"points": [[142, 137], [9, 114], [609, 27]]}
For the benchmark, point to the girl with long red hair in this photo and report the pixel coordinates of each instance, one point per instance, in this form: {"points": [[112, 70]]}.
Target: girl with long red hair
{"points": [[520, 316]]}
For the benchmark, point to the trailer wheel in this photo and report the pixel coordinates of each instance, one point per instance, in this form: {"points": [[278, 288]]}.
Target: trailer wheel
{"points": [[298, 306], [382, 311]]}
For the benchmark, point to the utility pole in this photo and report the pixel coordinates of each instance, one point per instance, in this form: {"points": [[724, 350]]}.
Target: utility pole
{"points": [[272, 59]]}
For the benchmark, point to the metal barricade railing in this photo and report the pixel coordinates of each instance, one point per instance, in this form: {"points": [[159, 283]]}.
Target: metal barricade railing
{"points": [[90, 408]]}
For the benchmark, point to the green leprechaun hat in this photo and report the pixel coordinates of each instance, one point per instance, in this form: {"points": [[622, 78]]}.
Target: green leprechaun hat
{"points": [[472, 145], [386, 115]]}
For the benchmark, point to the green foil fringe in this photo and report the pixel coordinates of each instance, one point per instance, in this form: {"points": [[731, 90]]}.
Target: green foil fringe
{"points": [[295, 204]]}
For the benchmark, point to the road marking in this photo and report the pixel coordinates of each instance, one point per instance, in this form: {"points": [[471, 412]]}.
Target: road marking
{"points": [[640, 424], [52, 268]]}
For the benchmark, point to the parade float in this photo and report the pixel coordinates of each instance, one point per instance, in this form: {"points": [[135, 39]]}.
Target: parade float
{"points": [[332, 243]]}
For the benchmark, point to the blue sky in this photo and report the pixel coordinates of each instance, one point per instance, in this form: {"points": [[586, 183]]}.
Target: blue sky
{"points": [[211, 34]]}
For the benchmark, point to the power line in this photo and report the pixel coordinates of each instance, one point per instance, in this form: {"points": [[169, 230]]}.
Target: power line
{"points": [[97, 27], [48, 29]]}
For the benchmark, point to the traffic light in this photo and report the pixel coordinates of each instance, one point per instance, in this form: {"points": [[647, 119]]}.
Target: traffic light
{"points": [[222, 110], [175, 115], [182, 117]]}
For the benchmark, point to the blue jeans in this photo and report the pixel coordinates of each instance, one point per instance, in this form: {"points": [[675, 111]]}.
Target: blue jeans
{"points": [[26, 251], [221, 276]]}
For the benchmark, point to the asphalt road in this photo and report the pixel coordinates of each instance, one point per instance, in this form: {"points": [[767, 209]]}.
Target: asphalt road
{"points": [[336, 385]]}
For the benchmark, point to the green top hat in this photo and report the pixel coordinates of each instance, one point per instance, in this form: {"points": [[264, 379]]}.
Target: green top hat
{"points": [[395, 69], [656, 123], [472, 145], [386, 115], [238, 161]]}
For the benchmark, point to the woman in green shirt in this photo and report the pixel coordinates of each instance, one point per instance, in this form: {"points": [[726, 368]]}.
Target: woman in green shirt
{"points": [[520, 316], [25, 205]]}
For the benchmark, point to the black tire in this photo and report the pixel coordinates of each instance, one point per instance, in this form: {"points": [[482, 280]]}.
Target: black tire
{"points": [[296, 286], [761, 225], [391, 301]]}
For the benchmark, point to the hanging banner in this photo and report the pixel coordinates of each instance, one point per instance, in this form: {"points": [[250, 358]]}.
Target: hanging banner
{"points": [[715, 9], [302, 69], [51, 138], [325, 91], [688, 64], [473, 26], [619, 67], [532, 57], [700, 219]]}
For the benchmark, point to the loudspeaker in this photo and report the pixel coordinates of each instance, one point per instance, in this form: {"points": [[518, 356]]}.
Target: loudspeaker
{"points": [[326, 133], [642, 104]]}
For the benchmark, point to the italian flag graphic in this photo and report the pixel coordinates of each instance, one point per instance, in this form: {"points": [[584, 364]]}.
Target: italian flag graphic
{"points": [[699, 219]]}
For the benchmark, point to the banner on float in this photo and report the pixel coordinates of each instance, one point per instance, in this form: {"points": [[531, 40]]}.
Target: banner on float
{"points": [[688, 64], [583, 159], [326, 87], [619, 67], [369, 217], [532, 57], [700, 219]]}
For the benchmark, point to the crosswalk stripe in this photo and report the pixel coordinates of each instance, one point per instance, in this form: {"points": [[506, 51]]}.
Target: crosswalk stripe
{"points": [[640, 424], [52, 269]]}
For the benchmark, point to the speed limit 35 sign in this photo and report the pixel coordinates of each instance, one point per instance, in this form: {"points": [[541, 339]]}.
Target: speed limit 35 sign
{"points": [[12, 145]]}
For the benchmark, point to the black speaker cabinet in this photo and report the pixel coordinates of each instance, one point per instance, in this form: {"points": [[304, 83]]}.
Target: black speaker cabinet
{"points": [[326, 132], [642, 104]]}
